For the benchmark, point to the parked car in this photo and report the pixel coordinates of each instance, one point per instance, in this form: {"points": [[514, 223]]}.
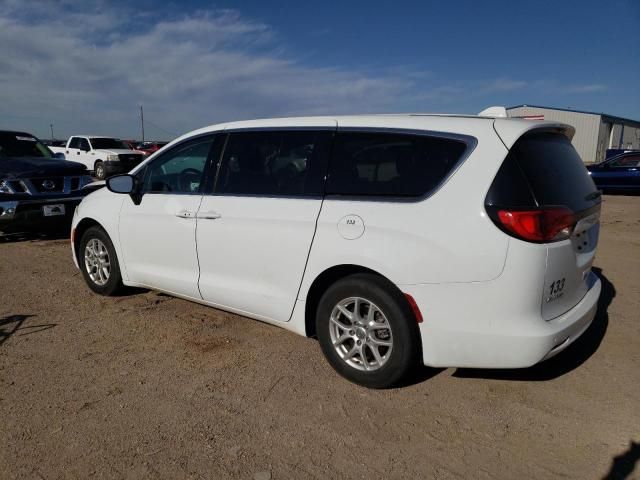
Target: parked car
{"points": [[105, 156], [448, 240], [150, 147], [131, 144], [614, 152], [53, 143], [620, 173], [37, 189]]}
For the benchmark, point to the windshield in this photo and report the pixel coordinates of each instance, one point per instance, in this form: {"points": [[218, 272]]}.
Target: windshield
{"points": [[108, 144], [15, 144]]}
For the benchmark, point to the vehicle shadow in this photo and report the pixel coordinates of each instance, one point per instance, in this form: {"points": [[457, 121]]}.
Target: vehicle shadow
{"points": [[57, 234], [623, 465], [570, 359], [419, 374], [10, 324]]}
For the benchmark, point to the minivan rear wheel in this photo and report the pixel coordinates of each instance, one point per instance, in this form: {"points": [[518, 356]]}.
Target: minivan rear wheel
{"points": [[367, 331], [98, 262]]}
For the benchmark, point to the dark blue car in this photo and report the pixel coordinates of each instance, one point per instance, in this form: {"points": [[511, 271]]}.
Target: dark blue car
{"points": [[619, 173]]}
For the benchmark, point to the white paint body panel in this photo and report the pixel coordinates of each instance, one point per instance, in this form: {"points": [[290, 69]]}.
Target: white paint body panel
{"points": [[478, 289], [159, 247], [253, 256]]}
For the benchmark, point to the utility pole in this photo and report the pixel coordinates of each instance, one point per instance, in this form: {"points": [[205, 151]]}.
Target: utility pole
{"points": [[142, 122], [51, 127]]}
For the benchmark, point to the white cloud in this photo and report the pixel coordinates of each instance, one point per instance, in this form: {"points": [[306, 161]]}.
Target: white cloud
{"points": [[86, 66], [503, 85], [592, 88], [93, 70]]}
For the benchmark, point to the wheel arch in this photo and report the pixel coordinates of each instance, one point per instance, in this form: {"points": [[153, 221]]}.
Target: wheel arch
{"points": [[82, 226], [327, 278]]}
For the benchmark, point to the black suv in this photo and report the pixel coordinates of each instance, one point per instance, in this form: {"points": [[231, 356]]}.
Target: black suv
{"points": [[38, 190]]}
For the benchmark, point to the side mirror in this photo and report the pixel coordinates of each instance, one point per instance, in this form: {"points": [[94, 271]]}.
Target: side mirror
{"points": [[121, 184], [59, 156]]}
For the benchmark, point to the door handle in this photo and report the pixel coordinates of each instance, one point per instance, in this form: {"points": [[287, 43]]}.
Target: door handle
{"points": [[184, 214], [209, 215]]}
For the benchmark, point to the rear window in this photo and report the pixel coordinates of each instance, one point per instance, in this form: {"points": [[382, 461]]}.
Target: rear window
{"points": [[108, 143], [543, 169], [389, 164]]}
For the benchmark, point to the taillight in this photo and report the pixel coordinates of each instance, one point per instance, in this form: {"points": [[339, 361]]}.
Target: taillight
{"points": [[540, 225]]}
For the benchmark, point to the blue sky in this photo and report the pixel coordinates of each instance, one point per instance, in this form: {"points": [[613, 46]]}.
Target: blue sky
{"points": [[85, 66]]}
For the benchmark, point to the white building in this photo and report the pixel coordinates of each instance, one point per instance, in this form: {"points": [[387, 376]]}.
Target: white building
{"points": [[595, 132]]}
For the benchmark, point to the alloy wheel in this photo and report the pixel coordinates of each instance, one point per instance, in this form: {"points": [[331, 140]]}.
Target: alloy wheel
{"points": [[97, 262], [360, 334]]}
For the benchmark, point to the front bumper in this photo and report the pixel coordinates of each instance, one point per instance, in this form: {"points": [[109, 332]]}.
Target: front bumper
{"points": [[28, 215]]}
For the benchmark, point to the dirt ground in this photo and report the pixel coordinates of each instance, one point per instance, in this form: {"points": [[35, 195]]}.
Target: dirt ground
{"points": [[149, 386]]}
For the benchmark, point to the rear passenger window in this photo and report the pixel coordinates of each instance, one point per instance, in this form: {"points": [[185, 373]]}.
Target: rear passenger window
{"points": [[390, 164], [287, 163], [74, 143]]}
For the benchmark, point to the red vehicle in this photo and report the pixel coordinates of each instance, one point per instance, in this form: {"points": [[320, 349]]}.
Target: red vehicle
{"points": [[150, 147]]}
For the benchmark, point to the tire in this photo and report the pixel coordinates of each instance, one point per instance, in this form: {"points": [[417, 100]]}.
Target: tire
{"points": [[397, 346], [98, 170], [101, 279]]}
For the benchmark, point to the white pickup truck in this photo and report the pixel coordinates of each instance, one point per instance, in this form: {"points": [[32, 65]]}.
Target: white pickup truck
{"points": [[105, 156]]}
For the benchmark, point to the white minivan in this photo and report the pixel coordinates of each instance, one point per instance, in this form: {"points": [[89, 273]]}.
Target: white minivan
{"points": [[455, 241]]}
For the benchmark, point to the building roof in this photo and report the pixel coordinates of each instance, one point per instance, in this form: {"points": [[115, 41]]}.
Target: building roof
{"points": [[612, 118]]}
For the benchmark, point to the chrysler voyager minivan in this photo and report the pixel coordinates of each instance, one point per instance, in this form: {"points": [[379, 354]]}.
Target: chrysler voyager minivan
{"points": [[455, 241]]}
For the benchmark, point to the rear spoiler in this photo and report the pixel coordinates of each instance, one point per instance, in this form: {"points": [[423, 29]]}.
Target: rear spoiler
{"points": [[510, 130], [494, 112]]}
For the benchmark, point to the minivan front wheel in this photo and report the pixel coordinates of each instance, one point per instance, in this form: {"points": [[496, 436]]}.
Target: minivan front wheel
{"points": [[98, 262], [367, 331]]}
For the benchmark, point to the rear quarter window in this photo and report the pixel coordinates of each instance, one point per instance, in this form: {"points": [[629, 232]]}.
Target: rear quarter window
{"points": [[390, 164]]}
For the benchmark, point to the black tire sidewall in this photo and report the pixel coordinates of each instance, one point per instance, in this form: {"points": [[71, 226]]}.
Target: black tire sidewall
{"points": [[406, 335], [115, 280], [97, 166]]}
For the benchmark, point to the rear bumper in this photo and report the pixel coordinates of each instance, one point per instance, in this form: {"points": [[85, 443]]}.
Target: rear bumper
{"points": [[488, 339], [27, 215]]}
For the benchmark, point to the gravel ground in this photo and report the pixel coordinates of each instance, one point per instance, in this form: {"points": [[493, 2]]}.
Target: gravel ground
{"points": [[149, 386]]}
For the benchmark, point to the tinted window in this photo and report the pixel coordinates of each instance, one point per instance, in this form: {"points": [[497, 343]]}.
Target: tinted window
{"points": [[626, 161], [109, 143], [543, 169], [15, 144], [180, 170], [288, 163], [74, 143], [84, 144], [390, 164]]}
